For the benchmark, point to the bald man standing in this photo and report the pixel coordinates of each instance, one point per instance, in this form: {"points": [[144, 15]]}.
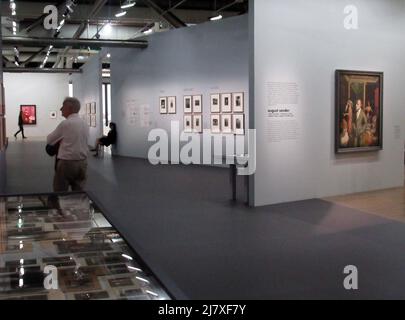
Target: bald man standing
{"points": [[72, 135]]}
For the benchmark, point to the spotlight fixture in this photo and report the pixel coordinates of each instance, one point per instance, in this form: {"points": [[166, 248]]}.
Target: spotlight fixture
{"points": [[107, 29], [128, 4], [216, 18], [108, 55], [120, 14], [149, 31]]}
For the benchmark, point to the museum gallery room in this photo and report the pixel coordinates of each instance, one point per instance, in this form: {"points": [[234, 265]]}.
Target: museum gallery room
{"points": [[223, 150]]}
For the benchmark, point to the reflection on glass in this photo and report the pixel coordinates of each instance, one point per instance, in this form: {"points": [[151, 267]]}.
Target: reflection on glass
{"points": [[92, 259]]}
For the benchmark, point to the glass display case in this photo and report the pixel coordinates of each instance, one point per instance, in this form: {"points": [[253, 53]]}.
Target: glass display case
{"points": [[62, 247]]}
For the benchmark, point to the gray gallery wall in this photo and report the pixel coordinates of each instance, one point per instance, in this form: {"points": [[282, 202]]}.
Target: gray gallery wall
{"points": [[87, 87], [44, 90], [304, 42], [205, 59]]}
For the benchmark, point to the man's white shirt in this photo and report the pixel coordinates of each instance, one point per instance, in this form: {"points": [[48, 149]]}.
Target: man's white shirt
{"points": [[73, 134]]}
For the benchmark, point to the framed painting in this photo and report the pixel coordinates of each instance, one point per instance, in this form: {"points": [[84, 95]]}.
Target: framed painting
{"points": [[215, 103], [197, 123], [238, 124], [171, 105], [215, 123], [238, 102], [188, 125], [197, 104], [187, 104], [226, 102], [226, 124], [359, 111], [29, 114]]}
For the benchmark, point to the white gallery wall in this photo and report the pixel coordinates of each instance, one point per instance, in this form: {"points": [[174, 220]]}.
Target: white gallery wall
{"points": [[87, 88], [46, 91], [298, 45], [205, 59]]}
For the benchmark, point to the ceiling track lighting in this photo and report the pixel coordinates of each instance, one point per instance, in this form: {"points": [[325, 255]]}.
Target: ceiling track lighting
{"points": [[128, 4], [120, 14], [216, 17]]}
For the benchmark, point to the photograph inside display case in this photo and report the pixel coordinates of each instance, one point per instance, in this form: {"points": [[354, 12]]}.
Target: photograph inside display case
{"points": [[69, 232], [359, 111]]}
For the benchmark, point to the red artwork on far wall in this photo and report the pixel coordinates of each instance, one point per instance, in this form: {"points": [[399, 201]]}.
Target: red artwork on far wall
{"points": [[29, 114]]}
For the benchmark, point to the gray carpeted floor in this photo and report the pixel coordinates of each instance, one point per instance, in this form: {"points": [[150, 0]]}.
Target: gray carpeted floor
{"points": [[202, 246]]}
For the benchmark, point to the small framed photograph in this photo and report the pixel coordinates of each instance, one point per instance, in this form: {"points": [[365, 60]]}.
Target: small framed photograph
{"points": [[53, 114], [163, 105], [187, 104], [93, 108], [171, 105], [197, 104], [215, 103], [238, 102], [238, 124], [88, 109], [93, 121], [226, 102], [197, 123], [88, 119], [188, 124], [226, 123], [215, 123]]}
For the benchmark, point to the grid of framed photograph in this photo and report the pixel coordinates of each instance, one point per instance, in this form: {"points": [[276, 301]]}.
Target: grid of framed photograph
{"points": [[227, 113], [168, 105]]}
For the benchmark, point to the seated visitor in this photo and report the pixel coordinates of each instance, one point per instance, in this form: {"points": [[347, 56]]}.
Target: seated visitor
{"points": [[108, 140]]}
